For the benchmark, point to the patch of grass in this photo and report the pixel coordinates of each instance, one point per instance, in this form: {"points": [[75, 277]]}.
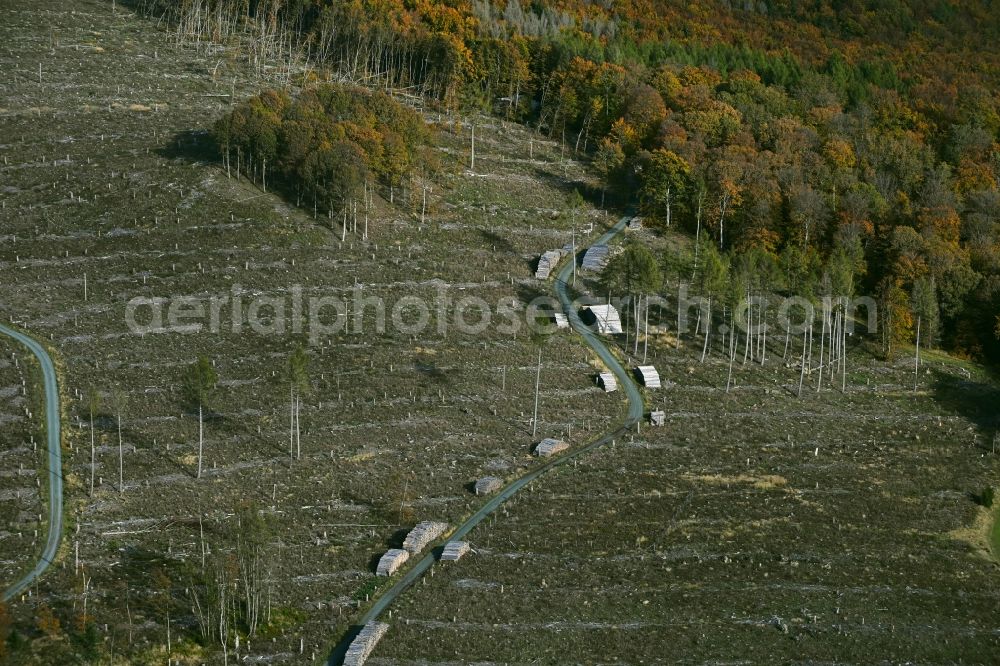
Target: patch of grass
{"points": [[283, 619], [366, 590]]}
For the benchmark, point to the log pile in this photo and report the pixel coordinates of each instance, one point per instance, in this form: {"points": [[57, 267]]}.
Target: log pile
{"points": [[454, 550], [649, 376], [363, 644], [595, 258], [547, 262], [607, 381], [488, 485], [423, 534], [607, 319], [549, 447], [389, 563]]}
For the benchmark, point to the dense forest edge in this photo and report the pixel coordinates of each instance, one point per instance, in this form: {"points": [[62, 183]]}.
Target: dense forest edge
{"points": [[802, 144]]}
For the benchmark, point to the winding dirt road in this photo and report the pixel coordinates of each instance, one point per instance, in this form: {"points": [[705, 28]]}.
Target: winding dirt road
{"points": [[52, 431], [636, 408]]}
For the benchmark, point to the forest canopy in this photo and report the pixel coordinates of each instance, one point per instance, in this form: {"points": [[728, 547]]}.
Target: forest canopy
{"points": [[804, 133], [326, 145]]}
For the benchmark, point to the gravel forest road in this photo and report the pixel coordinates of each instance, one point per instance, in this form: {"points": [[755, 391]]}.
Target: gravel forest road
{"points": [[636, 408], [52, 431]]}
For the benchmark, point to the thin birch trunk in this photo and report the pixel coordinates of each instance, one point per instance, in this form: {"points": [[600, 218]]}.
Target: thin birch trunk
{"points": [[708, 327], [121, 458], [802, 369], [201, 437], [93, 453]]}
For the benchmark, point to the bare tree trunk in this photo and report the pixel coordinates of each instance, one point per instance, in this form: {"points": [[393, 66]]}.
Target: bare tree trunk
{"points": [[223, 628], [835, 357], [732, 353], [916, 358], [668, 206], [538, 384], [201, 437], [822, 337], [636, 309], [121, 458], [626, 326], [843, 356], [677, 338], [697, 235], [802, 369], [645, 338], [573, 256], [201, 539], [746, 343], [788, 335], [128, 615], [708, 327], [809, 358], [763, 339], [93, 453]]}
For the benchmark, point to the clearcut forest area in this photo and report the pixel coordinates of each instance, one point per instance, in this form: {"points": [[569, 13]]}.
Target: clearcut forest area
{"points": [[228, 494]]}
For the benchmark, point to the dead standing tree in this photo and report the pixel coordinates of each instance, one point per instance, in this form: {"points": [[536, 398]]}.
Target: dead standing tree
{"points": [[119, 401], [233, 591], [252, 556], [94, 404], [200, 381], [298, 379]]}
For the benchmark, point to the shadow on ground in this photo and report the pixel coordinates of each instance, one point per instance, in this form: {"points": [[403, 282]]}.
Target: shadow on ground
{"points": [[977, 401]]}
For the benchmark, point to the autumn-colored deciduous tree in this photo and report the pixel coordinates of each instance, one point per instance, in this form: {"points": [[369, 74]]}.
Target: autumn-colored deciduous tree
{"points": [[839, 154], [895, 317], [644, 110], [925, 309], [608, 159], [908, 262], [46, 621], [665, 180], [807, 211], [325, 145], [625, 136]]}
